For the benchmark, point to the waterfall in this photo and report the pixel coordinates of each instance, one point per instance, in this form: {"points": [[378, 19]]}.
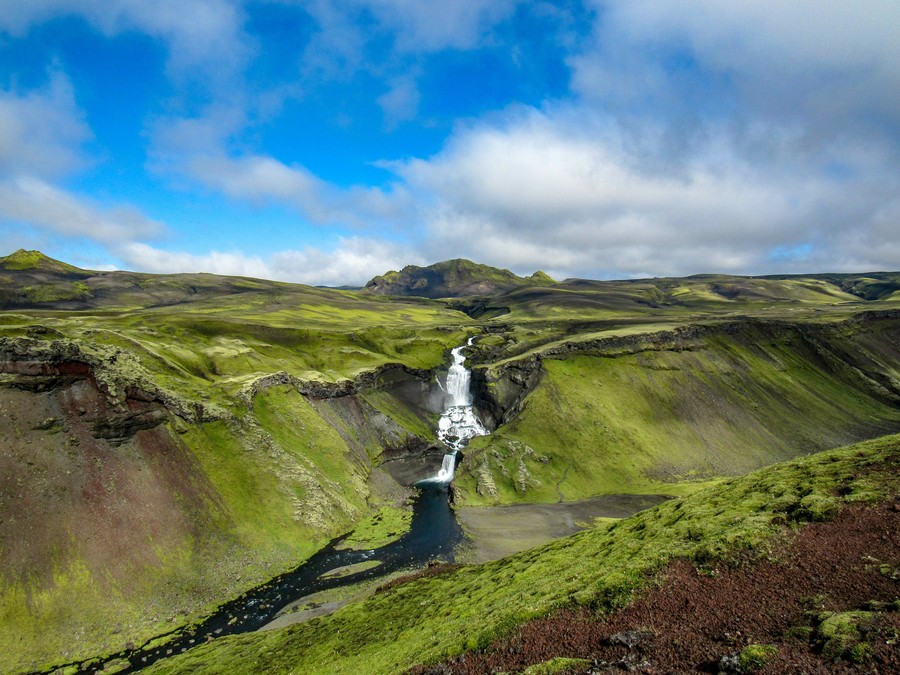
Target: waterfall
{"points": [[448, 468], [458, 379], [458, 422]]}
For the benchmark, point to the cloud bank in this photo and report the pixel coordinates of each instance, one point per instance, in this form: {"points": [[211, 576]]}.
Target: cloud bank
{"points": [[690, 137]]}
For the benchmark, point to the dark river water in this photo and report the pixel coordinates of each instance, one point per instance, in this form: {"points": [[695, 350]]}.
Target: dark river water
{"points": [[434, 533]]}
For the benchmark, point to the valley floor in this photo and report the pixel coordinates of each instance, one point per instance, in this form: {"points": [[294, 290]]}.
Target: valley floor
{"points": [[495, 532]]}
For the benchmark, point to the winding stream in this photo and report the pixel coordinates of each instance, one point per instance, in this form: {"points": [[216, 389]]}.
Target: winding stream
{"points": [[434, 532]]}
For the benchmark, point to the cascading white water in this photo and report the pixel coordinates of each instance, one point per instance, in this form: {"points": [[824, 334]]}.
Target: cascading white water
{"points": [[458, 423]]}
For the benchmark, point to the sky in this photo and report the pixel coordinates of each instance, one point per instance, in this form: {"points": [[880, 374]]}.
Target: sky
{"points": [[325, 142]]}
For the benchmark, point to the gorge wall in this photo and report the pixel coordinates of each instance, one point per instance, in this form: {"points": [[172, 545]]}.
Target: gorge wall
{"points": [[639, 412], [127, 510]]}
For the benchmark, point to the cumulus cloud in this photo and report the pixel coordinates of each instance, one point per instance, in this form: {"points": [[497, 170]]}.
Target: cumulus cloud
{"points": [[545, 190], [44, 206], [828, 67], [353, 261], [201, 34], [42, 131], [704, 136]]}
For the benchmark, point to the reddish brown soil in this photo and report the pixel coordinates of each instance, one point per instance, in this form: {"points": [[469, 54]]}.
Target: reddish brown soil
{"points": [[432, 570], [692, 619], [110, 498]]}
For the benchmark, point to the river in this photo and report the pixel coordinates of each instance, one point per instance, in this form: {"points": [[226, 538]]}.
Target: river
{"points": [[434, 533]]}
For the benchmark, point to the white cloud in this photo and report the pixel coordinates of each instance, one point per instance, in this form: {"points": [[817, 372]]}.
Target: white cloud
{"points": [[430, 26], [201, 34], [353, 261], [43, 206], [41, 132], [263, 179], [828, 66], [576, 196]]}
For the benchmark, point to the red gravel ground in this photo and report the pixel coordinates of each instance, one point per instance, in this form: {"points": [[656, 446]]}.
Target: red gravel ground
{"points": [[691, 620]]}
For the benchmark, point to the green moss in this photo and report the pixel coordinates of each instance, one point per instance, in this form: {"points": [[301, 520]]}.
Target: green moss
{"points": [[755, 657], [841, 634], [557, 665], [34, 260], [800, 633]]}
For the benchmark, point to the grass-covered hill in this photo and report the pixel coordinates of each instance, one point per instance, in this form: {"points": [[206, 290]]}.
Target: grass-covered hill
{"points": [[744, 521], [452, 279], [31, 280], [169, 441]]}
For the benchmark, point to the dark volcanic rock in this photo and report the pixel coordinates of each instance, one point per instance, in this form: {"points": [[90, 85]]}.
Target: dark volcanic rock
{"points": [[452, 279], [499, 393]]}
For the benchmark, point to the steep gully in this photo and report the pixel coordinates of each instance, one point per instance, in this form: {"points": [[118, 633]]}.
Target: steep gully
{"points": [[434, 532]]}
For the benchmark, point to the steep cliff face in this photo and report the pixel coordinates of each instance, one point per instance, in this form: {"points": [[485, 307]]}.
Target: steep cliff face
{"points": [[500, 394], [87, 478]]}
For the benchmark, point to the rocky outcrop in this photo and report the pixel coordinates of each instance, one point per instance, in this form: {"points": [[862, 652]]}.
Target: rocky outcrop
{"points": [[132, 401], [499, 393], [392, 375]]}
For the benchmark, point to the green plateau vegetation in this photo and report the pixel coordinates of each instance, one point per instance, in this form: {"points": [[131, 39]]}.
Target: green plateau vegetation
{"points": [[171, 441], [601, 568]]}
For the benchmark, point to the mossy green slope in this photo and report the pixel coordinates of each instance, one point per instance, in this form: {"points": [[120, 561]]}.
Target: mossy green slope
{"points": [[278, 481], [171, 525], [602, 568], [656, 411]]}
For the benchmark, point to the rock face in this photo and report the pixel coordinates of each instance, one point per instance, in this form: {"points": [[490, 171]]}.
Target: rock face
{"points": [[452, 279], [41, 365], [89, 471], [499, 394]]}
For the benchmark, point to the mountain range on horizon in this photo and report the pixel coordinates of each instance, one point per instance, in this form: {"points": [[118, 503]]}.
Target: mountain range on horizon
{"points": [[32, 279]]}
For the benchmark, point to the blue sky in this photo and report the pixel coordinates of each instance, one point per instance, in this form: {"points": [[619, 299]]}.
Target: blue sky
{"points": [[326, 142]]}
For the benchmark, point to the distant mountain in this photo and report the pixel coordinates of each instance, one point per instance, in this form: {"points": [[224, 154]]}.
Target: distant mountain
{"points": [[452, 279], [32, 280], [870, 286], [37, 263]]}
